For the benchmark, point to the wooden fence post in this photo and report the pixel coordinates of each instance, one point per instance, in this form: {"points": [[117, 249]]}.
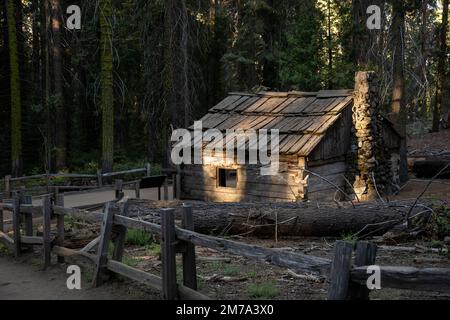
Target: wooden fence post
{"points": [[340, 271], [189, 265], [2, 226], [46, 226], [16, 224], [166, 188], [55, 192], [8, 186], [99, 178], [28, 219], [174, 186], [102, 251], [120, 233], [137, 189], [119, 242], [148, 170], [28, 216], [59, 201], [168, 255], [365, 256], [178, 180], [119, 188], [47, 180]]}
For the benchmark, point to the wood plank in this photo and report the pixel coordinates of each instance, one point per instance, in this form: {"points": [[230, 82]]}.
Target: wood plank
{"points": [[91, 245], [7, 241], [16, 225], [59, 201], [285, 104], [2, 226], [32, 240], [256, 105], [145, 278], [308, 147], [168, 255], [408, 278], [225, 102], [365, 255], [250, 102], [318, 106], [300, 105], [282, 258], [102, 251], [189, 264], [340, 271], [237, 103], [119, 242], [271, 104], [334, 93], [46, 226], [151, 280]]}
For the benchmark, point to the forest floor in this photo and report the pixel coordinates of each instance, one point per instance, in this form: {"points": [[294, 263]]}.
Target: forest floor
{"points": [[25, 280], [223, 276]]}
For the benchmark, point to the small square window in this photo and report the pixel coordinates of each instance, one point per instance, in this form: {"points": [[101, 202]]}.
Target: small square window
{"points": [[227, 178]]}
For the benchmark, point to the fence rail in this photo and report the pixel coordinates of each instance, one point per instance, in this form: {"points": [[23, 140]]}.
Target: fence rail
{"points": [[99, 176], [347, 279]]}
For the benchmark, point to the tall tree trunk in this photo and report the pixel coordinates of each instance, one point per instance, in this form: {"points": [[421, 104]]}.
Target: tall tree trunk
{"points": [[61, 123], [365, 48], [16, 102], [330, 47], [107, 95], [176, 86], [442, 68], [45, 50], [36, 53], [424, 57], [398, 76]]}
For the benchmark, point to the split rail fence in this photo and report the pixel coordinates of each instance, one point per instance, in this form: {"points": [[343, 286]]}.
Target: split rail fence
{"points": [[347, 277], [10, 183]]}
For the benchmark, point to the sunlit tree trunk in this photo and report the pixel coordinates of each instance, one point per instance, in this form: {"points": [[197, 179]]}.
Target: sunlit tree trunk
{"points": [[16, 103], [442, 68], [107, 96]]}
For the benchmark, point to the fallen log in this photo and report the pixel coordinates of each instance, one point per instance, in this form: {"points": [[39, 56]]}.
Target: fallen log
{"points": [[430, 168], [285, 219]]}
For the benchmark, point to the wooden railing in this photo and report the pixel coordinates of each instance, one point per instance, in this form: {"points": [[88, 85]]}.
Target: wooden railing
{"points": [[8, 181], [347, 279]]}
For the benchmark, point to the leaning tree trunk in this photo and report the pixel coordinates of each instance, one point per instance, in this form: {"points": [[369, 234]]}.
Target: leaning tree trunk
{"points": [[107, 96], [16, 103], [285, 219]]}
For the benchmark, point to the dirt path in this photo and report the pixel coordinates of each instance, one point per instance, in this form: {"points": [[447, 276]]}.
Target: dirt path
{"points": [[24, 281]]}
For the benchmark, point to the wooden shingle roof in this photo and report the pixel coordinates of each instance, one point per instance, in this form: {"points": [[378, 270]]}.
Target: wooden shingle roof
{"points": [[302, 118]]}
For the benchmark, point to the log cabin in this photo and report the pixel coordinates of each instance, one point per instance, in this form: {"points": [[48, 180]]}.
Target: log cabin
{"points": [[333, 145]]}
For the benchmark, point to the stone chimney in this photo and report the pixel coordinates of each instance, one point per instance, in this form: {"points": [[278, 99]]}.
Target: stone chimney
{"points": [[367, 144]]}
